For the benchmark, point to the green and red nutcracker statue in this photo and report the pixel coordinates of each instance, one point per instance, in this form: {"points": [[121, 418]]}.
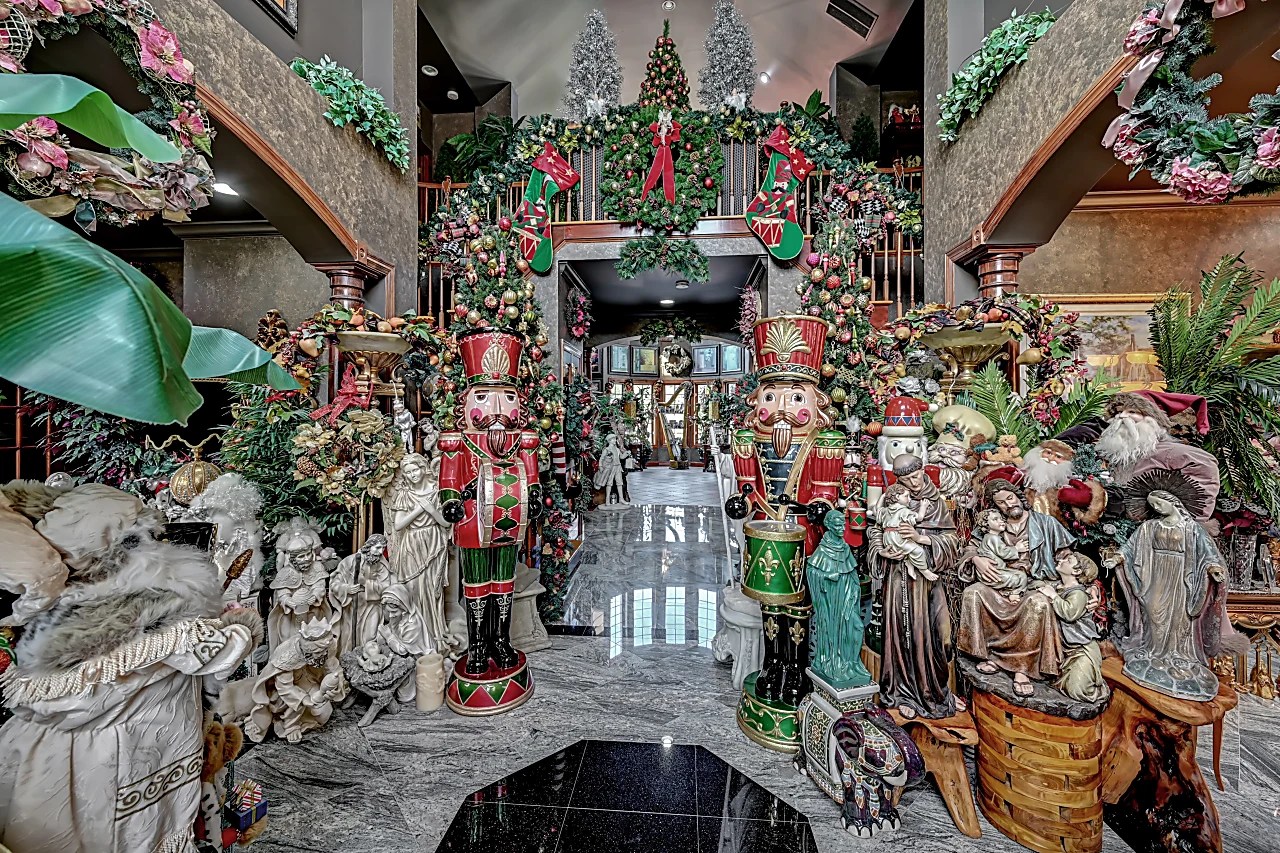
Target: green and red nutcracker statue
{"points": [[789, 465], [489, 492]]}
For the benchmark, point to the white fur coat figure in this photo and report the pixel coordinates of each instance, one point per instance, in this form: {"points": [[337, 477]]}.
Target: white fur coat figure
{"points": [[232, 503], [105, 749], [32, 568], [300, 587], [296, 690]]}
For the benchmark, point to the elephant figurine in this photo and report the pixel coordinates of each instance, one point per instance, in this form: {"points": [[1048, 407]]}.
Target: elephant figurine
{"points": [[857, 755]]}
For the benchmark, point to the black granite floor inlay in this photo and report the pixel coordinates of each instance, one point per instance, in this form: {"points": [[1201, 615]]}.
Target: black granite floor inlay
{"points": [[615, 797]]}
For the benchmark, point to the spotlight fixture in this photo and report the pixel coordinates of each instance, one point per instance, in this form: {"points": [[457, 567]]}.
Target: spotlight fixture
{"points": [[668, 740], [666, 302], [764, 77], [452, 94], [682, 284], [225, 189], [668, 4], [430, 70]]}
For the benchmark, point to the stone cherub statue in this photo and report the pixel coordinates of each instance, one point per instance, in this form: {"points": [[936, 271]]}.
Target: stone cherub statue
{"points": [[296, 690], [300, 588], [610, 476]]}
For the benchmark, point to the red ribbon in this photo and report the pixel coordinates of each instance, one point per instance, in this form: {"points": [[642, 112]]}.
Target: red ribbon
{"points": [[664, 166]]}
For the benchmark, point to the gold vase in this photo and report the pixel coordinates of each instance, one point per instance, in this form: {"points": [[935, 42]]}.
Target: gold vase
{"points": [[963, 351], [376, 355]]}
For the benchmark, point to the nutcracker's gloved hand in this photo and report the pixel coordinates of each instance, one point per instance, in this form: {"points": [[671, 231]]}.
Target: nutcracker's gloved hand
{"points": [[816, 512], [736, 507], [453, 511], [536, 507]]}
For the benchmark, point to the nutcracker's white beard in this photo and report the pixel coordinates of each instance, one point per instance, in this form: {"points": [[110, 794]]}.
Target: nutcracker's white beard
{"points": [[1125, 441], [1044, 476]]}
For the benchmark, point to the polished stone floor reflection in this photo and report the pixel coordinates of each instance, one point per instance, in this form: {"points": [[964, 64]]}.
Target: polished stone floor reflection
{"points": [[608, 795], [397, 786]]}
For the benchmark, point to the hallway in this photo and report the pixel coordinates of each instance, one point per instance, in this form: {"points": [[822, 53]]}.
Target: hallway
{"points": [[648, 587]]}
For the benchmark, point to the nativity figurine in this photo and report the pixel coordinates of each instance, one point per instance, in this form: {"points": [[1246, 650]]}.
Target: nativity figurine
{"points": [[232, 504], [350, 586], [300, 587], [839, 620], [374, 671], [419, 540], [295, 691]]}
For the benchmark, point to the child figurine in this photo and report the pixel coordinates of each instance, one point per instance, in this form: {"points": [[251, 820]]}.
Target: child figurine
{"points": [[1080, 676], [895, 511], [994, 547]]}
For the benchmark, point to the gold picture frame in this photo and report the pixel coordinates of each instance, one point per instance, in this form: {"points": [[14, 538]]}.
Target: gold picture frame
{"points": [[1115, 336]]}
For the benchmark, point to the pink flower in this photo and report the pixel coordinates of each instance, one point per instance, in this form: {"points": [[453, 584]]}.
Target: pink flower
{"points": [[161, 55], [1142, 32], [49, 7], [188, 124], [35, 136], [1126, 148], [1201, 184], [1269, 149]]}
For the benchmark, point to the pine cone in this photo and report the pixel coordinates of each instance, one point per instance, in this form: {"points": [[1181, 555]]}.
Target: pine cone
{"points": [[308, 468]]}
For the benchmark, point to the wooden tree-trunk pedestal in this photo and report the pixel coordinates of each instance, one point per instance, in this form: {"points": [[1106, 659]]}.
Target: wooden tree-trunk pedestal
{"points": [[942, 744], [1039, 776], [1156, 797]]}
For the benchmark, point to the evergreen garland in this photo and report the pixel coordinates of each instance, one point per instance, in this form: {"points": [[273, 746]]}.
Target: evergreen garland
{"points": [[665, 86], [595, 75], [680, 257], [680, 328], [354, 102], [729, 77]]}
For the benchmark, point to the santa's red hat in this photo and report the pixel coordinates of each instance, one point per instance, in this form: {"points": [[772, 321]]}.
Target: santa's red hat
{"points": [[902, 417]]}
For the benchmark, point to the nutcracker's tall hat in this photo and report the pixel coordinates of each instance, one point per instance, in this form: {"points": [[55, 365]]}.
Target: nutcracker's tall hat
{"points": [[491, 356], [789, 346]]}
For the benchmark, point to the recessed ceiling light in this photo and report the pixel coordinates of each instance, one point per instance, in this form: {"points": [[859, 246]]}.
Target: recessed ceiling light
{"points": [[682, 284], [225, 189], [668, 740], [430, 70], [764, 77], [666, 302], [452, 94], [668, 4]]}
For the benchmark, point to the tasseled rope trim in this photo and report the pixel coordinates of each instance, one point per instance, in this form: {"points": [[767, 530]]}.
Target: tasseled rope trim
{"points": [[179, 842], [20, 689]]}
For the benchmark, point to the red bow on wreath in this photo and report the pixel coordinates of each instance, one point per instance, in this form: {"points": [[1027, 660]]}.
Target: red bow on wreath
{"points": [[664, 168]]}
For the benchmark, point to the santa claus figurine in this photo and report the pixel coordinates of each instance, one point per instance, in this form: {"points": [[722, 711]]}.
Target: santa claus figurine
{"points": [[902, 434], [1052, 488], [489, 492], [1137, 440]]}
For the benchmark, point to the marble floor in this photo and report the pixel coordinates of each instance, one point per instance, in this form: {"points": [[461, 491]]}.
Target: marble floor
{"points": [[648, 588]]}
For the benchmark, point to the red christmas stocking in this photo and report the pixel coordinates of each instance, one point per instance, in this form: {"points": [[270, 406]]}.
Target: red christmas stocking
{"points": [[531, 221]]}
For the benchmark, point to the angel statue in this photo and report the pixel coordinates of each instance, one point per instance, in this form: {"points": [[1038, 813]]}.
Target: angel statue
{"points": [[419, 541]]}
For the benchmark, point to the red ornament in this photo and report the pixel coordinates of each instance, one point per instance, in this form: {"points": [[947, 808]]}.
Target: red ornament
{"points": [[505, 223], [630, 174], [833, 281], [535, 353], [460, 309], [688, 146], [709, 183]]}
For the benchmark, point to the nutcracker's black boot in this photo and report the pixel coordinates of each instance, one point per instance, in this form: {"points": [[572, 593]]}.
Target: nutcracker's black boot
{"points": [[478, 649], [769, 681], [504, 654]]}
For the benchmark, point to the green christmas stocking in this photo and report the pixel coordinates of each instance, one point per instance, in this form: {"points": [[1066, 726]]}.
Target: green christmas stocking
{"points": [[532, 221], [772, 213]]}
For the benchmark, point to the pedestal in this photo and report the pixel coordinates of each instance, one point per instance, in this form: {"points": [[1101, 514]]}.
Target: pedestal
{"points": [[818, 713], [528, 634], [493, 692], [1039, 776], [1156, 797], [770, 723], [941, 743], [742, 637]]}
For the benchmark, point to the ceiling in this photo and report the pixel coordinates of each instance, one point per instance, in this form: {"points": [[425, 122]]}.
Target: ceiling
{"points": [[726, 275], [529, 44]]}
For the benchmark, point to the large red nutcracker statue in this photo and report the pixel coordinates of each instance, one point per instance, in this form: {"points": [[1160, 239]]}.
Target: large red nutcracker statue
{"points": [[489, 491], [789, 466]]}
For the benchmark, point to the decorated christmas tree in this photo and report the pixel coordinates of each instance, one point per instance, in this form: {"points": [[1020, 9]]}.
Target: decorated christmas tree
{"points": [[665, 85], [729, 77], [491, 290], [595, 75], [864, 142]]}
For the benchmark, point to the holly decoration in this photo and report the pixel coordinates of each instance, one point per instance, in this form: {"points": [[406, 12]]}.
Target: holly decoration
{"points": [[664, 82]]}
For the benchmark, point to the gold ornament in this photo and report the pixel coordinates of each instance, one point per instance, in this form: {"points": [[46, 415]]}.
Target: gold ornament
{"points": [[545, 423], [473, 317], [838, 395], [902, 333], [540, 340], [824, 297], [476, 245], [784, 339], [512, 312], [488, 242], [191, 479], [828, 370], [509, 297]]}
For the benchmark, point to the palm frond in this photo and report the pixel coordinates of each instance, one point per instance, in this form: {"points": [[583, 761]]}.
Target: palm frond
{"points": [[993, 396], [1086, 400]]}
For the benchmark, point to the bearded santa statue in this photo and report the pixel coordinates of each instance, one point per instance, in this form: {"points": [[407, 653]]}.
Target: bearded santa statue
{"points": [[1137, 440], [1051, 487]]}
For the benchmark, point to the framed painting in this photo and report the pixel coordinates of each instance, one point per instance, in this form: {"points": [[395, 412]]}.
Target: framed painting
{"points": [[644, 361], [706, 360], [730, 358], [572, 360], [619, 359], [285, 13], [1115, 336]]}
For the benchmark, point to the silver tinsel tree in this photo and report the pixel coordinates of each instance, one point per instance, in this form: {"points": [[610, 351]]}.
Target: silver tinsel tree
{"points": [[729, 77], [595, 75]]}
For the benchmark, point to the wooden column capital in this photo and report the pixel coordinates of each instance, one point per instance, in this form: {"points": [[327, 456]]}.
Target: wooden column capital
{"points": [[997, 266], [348, 280]]}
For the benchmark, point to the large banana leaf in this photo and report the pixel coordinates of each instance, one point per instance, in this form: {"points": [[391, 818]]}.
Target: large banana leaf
{"points": [[222, 353], [82, 108]]}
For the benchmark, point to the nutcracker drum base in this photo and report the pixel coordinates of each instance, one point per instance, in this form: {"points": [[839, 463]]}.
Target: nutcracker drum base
{"points": [[770, 723], [495, 691]]}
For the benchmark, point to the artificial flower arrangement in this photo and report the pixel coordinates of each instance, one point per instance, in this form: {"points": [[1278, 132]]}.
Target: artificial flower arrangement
{"points": [[577, 314], [350, 461]]}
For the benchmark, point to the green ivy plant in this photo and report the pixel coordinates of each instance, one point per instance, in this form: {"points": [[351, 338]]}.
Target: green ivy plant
{"points": [[680, 257], [670, 327], [976, 81], [354, 102]]}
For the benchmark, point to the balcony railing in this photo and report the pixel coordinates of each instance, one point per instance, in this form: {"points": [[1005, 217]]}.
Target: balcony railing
{"points": [[894, 265]]}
